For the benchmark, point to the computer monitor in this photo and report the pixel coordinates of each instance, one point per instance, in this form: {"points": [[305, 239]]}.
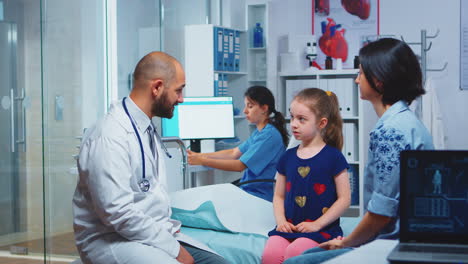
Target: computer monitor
{"points": [[201, 118]]}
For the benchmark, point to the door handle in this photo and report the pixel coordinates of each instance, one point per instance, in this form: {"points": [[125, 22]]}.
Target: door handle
{"points": [[23, 121], [12, 120]]}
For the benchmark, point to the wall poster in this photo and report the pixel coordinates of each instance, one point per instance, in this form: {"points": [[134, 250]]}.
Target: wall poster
{"points": [[342, 27]]}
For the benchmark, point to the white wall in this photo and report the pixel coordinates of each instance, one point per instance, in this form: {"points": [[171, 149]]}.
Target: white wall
{"points": [[432, 15], [406, 18]]}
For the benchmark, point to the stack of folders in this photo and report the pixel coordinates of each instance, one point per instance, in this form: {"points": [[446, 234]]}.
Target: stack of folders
{"points": [[220, 84], [353, 174], [227, 48]]}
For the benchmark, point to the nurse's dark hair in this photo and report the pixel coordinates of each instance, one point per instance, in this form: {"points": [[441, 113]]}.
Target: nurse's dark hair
{"points": [[324, 105], [263, 96], [392, 69]]}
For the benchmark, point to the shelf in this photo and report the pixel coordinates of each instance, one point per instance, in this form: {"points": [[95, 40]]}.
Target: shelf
{"points": [[314, 72], [353, 162], [350, 118], [258, 80], [258, 49], [239, 117], [232, 72]]}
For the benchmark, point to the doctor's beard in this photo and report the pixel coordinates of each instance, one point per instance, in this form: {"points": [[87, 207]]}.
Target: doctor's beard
{"points": [[162, 107]]}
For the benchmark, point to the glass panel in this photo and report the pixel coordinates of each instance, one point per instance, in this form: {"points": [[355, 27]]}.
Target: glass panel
{"points": [[74, 90], [21, 175], [138, 33]]}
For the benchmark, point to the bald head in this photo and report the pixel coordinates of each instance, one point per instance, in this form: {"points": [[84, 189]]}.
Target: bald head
{"points": [[155, 65]]}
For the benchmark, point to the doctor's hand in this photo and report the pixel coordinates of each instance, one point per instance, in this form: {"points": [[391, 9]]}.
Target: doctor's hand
{"points": [[336, 243], [286, 227], [307, 227], [184, 256], [194, 158]]}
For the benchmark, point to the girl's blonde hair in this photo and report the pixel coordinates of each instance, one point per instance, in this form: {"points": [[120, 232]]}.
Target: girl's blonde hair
{"points": [[325, 105]]}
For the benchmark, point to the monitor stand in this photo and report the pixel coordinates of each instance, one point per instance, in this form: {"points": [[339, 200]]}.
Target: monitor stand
{"points": [[195, 145]]}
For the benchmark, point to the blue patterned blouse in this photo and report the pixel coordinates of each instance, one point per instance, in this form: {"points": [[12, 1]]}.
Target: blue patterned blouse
{"points": [[397, 129]]}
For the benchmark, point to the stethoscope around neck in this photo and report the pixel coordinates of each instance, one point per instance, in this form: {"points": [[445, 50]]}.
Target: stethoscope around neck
{"points": [[144, 183]]}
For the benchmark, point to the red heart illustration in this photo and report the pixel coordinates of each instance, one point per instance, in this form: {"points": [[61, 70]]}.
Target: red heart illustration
{"points": [[333, 42], [325, 235], [308, 220], [359, 8], [319, 188], [288, 186]]}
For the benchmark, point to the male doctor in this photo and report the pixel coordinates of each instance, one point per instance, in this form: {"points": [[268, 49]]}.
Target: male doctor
{"points": [[121, 207]]}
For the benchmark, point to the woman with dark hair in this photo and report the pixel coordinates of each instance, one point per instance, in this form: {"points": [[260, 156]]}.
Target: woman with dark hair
{"points": [[259, 154], [390, 79]]}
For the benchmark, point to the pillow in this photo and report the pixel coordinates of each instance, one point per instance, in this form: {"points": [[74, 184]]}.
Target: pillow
{"points": [[236, 210], [203, 217]]}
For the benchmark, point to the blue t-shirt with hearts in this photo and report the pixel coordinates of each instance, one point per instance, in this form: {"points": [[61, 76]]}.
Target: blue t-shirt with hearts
{"points": [[310, 190]]}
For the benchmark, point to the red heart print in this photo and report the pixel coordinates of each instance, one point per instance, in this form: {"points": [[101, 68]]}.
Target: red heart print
{"points": [[325, 235], [288, 186], [319, 188]]}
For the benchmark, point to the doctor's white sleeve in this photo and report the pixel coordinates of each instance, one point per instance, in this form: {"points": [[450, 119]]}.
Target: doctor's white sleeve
{"points": [[109, 184]]}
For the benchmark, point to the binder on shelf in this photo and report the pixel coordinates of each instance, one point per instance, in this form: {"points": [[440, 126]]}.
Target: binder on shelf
{"points": [[353, 174], [216, 84], [237, 51], [225, 85], [350, 141], [231, 50], [218, 49], [339, 92], [349, 95], [225, 49]]}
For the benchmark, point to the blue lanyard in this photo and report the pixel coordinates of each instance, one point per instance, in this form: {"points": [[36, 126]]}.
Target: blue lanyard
{"points": [[144, 183]]}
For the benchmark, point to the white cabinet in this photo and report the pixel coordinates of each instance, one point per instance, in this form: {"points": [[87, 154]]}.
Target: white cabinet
{"points": [[206, 46], [257, 55], [341, 82]]}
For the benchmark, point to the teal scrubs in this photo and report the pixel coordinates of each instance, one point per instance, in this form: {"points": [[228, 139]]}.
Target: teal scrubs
{"points": [[260, 154]]}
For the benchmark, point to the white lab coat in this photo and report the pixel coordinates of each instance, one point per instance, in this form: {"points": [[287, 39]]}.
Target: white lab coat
{"points": [[432, 115], [113, 218]]}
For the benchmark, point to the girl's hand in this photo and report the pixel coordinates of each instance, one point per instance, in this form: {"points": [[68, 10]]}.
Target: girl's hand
{"points": [[307, 227], [286, 227]]}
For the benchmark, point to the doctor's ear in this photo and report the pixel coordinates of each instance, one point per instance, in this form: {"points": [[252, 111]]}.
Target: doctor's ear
{"points": [[156, 86]]}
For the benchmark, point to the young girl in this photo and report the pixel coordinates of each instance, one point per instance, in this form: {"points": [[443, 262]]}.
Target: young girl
{"points": [[257, 156], [312, 186], [390, 78]]}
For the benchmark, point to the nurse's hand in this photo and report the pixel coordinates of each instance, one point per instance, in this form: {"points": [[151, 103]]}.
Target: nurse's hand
{"points": [[184, 256], [194, 158], [286, 227], [307, 227]]}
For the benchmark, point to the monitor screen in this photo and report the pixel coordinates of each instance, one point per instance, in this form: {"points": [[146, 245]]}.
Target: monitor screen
{"points": [[201, 118]]}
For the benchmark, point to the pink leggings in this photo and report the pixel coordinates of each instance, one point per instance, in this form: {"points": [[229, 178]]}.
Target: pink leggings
{"points": [[278, 249]]}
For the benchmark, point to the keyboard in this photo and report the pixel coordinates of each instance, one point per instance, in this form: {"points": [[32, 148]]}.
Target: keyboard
{"points": [[449, 249]]}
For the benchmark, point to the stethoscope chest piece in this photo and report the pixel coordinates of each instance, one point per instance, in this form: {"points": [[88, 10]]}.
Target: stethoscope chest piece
{"points": [[144, 185]]}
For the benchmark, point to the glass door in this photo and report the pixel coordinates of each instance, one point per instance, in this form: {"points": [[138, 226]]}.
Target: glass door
{"points": [[21, 162], [8, 137]]}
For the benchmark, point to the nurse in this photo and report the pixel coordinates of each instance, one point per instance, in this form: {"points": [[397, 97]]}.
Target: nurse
{"points": [[121, 208], [259, 154]]}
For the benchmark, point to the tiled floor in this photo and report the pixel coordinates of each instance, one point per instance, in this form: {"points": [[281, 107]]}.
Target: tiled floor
{"points": [[26, 261], [62, 245]]}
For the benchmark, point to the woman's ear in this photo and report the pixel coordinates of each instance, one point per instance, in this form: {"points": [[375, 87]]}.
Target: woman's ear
{"points": [[264, 108]]}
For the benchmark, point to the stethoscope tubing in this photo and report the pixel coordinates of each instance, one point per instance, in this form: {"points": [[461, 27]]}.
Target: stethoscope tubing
{"points": [[138, 136]]}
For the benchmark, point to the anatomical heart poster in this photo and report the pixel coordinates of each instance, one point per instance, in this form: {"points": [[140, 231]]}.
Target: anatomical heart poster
{"points": [[342, 27]]}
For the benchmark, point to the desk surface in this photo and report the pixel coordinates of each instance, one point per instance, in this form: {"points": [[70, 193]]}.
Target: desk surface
{"points": [[373, 252]]}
